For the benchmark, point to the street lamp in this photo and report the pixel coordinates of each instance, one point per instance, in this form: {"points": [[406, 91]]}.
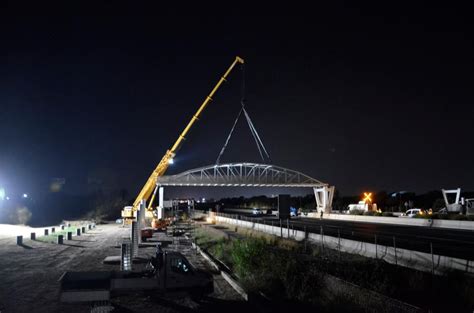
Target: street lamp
{"points": [[25, 195]]}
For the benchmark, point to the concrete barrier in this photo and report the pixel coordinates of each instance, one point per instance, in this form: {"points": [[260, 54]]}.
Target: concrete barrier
{"points": [[235, 284], [208, 258], [282, 231], [237, 211], [408, 258], [33, 236], [59, 240], [19, 240], [466, 225], [230, 280], [69, 235]]}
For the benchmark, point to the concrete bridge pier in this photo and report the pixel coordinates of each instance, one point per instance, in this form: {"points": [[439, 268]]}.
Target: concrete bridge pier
{"points": [[324, 196]]}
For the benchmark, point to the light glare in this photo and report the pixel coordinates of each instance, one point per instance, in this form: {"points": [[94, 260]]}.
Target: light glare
{"points": [[367, 197]]}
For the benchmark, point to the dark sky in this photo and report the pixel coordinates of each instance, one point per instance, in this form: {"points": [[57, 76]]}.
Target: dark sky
{"points": [[359, 97]]}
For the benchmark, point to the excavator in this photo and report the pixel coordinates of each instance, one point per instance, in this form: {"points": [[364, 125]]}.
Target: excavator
{"points": [[148, 191]]}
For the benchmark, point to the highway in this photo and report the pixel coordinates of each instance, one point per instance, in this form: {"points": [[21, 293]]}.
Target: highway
{"points": [[447, 242]]}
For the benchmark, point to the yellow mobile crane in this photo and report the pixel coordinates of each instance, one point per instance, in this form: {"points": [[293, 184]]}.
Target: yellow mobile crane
{"points": [[129, 213]]}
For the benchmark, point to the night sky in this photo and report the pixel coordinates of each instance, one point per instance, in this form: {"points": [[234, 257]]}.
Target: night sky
{"points": [[377, 98]]}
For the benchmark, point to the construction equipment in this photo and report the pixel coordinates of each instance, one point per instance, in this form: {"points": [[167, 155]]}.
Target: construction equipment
{"points": [[148, 191], [167, 272], [156, 225], [146, 233], [160, 224]]}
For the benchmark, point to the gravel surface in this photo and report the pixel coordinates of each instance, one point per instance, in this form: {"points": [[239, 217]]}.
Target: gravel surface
{"points": [[30, 273]]}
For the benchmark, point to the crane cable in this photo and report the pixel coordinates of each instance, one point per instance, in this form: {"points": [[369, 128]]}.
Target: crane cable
{"points": [[228, 137], [256, 137], [253, 130]]}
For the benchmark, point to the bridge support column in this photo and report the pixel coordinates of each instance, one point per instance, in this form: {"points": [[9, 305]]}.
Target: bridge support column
{"points": [[456, 205], [141, 218], [324, 196], [161, 194]]}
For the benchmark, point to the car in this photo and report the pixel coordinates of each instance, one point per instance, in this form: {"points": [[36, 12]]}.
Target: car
{"points": [[257, 211], [413, 212], [293, 212]]}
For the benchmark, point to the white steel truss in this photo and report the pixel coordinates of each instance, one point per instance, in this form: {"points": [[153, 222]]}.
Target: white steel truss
{"points": [[241, 175]]}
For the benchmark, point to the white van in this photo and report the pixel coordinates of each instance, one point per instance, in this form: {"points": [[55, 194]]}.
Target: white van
{"points": [[412, 212]]}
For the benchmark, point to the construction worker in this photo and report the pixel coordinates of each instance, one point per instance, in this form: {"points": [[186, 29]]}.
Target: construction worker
{"points": [[159, 255]]}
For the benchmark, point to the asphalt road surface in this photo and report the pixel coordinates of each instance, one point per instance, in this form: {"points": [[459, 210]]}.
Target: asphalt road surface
{"points": [[448, 242]]}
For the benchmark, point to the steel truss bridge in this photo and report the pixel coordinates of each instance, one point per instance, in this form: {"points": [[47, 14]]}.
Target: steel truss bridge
{"points": [[249, 175], [241, 175]]}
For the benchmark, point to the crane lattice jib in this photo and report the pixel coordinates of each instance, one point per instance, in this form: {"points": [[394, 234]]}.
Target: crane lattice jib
{"points": [[147, 190]]}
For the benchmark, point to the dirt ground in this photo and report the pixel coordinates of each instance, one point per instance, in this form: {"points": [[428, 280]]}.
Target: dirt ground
{"points": [[30, 273]]}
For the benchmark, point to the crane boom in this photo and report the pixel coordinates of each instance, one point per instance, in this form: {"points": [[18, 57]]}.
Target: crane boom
{"points": [[161, 168]]}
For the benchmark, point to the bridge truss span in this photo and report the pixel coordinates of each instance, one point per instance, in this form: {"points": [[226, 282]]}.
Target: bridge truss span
{"points": [[241, 175], [249, 175]]}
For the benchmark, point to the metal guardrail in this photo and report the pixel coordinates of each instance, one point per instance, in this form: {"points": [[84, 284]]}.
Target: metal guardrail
{"points": [[391, 247], [357, 293]]}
